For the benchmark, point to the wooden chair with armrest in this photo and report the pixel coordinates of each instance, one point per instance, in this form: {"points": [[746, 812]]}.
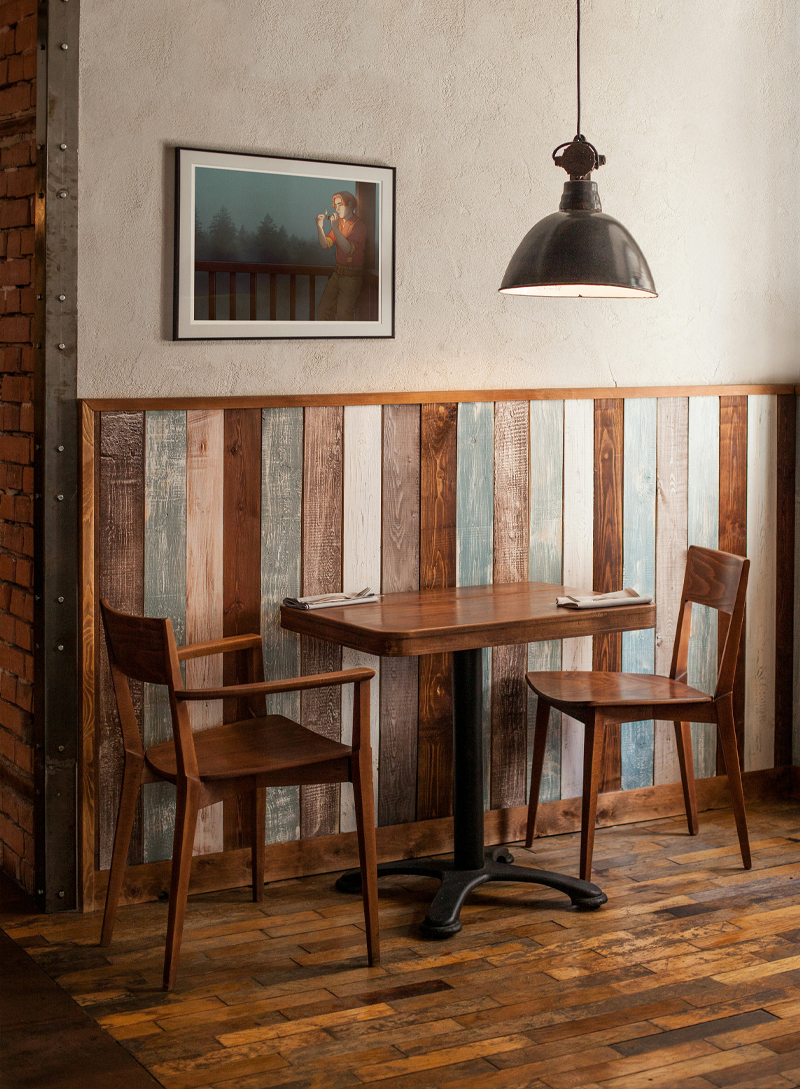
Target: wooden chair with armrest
{"points": [[241, 757], [715, 579]]}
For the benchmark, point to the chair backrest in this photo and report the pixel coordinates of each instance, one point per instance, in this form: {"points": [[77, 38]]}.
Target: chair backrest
{"points": [[719, 581], [143, 648]]}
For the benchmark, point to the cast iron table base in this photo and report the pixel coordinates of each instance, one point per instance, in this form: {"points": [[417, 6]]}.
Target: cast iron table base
{"points": [[472, 864]]}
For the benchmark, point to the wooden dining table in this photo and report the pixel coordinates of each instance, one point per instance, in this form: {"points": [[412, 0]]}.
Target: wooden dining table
{"points": [[463, 621]]}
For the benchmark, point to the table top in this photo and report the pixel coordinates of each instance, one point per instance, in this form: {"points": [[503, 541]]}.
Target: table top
{"points": [[463, 618]]}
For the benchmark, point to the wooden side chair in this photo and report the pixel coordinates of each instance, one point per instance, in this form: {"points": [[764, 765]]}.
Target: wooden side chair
{"points": [[716, 579], [242, 757]]}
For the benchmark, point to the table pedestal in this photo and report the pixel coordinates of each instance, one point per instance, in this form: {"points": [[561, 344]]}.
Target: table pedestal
{"points": [[472, 864]]}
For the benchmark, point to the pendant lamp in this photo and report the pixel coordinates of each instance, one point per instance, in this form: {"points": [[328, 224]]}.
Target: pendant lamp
{"points": [[579, 251]]}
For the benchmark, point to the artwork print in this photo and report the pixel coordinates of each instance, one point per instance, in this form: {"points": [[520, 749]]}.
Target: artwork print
{"points": [[267, 247]]}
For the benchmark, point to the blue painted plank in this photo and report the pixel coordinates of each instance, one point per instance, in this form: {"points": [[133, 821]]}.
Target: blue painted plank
{"points": [[639, 570]]}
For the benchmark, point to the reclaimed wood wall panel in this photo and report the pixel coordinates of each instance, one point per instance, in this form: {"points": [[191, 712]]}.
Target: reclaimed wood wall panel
{"points": [[281, 552], [786, 471], [578, 566], [361, 565], [759, 735], [475, 533], [703, 530], [733, 532], [545, 549], [672, 509], [638, 570], [164, 595], [608, 525], [120, 578], [205, 445], [437, 568], [321, 710], [397, 762]]}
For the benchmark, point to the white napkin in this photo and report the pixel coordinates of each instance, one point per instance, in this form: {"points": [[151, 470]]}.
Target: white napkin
{"points": [[628, 596], [326, 601]]}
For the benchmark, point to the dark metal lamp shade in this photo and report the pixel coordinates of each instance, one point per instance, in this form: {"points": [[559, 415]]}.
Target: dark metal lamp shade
{"points": [[579, 252]]}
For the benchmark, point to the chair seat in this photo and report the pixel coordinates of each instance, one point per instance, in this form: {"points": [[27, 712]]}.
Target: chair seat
{"points": [[251, 747], [594, 689]]}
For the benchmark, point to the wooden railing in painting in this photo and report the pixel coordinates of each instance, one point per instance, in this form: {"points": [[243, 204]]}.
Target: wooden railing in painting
{"points": [[366, 309]]}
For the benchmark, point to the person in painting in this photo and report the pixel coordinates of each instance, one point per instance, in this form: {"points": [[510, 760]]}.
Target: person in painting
{"points": [[349, 235]]}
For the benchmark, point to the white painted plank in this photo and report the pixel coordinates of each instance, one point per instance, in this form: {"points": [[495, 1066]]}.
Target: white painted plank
{"points": [[759, 715], [361, 563], [578, 565], [545, 559], [703, 530], [672, 499]]}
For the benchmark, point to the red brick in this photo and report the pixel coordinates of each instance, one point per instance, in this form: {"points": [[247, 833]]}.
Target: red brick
{"points": [[26, 240], [13, 718], [25, 696], [23, 573], [10, 418], [7, 629], [13, 244], [23, 635], [7, 745], [25, 36], [9, 806], [9, 357], [18, 154], [25, 816], [26, 482], [15, 213], [9, 13], [27, 540], [23, 756], [16, 328], [29, 66], [23, 509], [3, 242], [4, 70], [22, 604], [8, 687], [29, 848], [27, 876], [6, 42], [26, 417], [27, 359], [14, 448], [15, 273], [3, 176], [5, 595], [27, 301], [16, 388], [7, 507], [13, 660], [8, 568], [13, 837], [11, 538], [14, 477], [22, 182], [15, 69], [11, 300], [15, 99]]}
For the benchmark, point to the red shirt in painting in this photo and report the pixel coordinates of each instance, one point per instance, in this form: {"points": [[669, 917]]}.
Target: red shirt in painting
{"points": [[355, 231]]}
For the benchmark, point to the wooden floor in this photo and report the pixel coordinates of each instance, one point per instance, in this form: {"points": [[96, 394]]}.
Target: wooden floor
{"points": [[688, 978]]}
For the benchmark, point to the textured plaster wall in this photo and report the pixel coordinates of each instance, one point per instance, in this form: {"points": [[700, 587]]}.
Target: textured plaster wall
{"points": [[694, 103]]}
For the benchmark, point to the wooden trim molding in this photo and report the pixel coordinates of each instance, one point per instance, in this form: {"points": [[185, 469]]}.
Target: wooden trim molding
{"points": [[308, 400], [327, 854]]}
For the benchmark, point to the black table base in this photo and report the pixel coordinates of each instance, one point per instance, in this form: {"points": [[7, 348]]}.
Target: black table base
{"points": [[472, 864]]}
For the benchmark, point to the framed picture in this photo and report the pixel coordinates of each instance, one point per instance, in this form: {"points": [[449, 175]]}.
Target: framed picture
{"points": [[267, 247]]}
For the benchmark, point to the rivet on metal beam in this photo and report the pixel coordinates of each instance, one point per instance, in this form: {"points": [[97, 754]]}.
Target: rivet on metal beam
{"points": [[61, 895], [63, 147], [61, 347], [60, 600], [62, 193], [62, 298], [64, 45], [60, 449], [60, 646], [59, 497], [60, 748]]}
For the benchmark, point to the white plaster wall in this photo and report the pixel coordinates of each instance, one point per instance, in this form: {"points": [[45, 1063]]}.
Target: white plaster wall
{"points": [[694, 103]]}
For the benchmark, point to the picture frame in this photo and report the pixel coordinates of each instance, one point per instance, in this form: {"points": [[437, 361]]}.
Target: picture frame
{"points": [[268, 247]]}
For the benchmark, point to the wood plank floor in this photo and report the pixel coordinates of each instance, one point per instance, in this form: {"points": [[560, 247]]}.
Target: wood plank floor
{"points": [[689, 978]]}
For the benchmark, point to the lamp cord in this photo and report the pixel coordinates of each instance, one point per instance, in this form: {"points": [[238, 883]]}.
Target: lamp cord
{"points": [[578, 53]]}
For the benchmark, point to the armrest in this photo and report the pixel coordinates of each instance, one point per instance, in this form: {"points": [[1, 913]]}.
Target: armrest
{"points": [[218, 646], [264, 688]]}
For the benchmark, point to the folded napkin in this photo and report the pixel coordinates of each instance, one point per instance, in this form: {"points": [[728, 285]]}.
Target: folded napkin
{"points": [[325, 601], [628, 596]]}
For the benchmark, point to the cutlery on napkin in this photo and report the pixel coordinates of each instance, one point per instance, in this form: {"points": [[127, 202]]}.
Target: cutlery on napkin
{"points": [[628, 596], [326, 601]]}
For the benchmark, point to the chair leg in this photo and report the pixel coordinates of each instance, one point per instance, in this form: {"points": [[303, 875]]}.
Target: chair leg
{"points": [[131, 781], [727, 735], [592, 767], [683, 740], [186, 807], [258, 847], [361, 764], [539, 747]]}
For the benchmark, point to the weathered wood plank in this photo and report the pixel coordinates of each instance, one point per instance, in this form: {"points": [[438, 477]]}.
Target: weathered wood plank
{"points": [[241, 584], [703, 529], [733, 530], [639, 570], [672, 510], [578, 565], [509, 696], [205, 454], [474, 532], [397, 765], [164, 595], [120, 579], [608, 470], [796, 671], [545, 558], [762, 437], [784, 571], [361, 565], [281, 550], [87, 751], [322, 574], [437, 568]]}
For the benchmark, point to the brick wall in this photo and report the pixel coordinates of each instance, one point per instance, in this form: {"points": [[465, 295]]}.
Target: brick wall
{"points": [[18, 57]]}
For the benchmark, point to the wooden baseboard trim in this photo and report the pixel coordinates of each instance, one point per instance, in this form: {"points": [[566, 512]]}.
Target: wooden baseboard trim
{"points": [[327, 854]]}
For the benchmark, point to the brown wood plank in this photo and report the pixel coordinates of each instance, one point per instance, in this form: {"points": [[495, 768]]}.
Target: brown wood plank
{"points": [[323, 484], [397, 766], [120, 579], [437, 568], [429, 397], [90, 445], [733, 528], [784, 568], [509, 663], [608, 526], [241, 581]]}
